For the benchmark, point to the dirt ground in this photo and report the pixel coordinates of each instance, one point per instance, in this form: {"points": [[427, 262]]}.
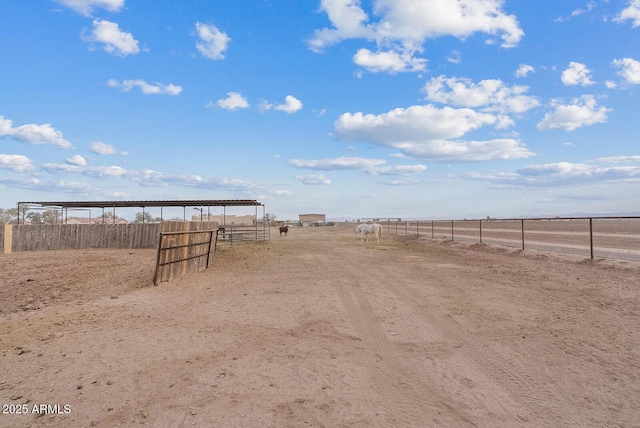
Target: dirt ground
{"points": [[319, 329]]}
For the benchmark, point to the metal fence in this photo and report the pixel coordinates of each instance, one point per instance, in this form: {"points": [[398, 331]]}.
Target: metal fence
{"points": [[594, 237], [236, 234]]}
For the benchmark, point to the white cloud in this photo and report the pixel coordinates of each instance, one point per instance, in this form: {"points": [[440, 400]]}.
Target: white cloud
{"points": [[366, 165], [620, 159], [149, 177], [233, 184], [32, 183], [455, 57], [406, 24], [144, 177], [524, 70], [291, 104], [388, 61], [632, 12], [426, 132], [397, 170], [577, 12], [313, 179], [212, 42], [419, 20], [629, 70], [403, 182], [146, 88], [415, 123], [264, 105], [101, 148], [577, 74], [562, 174], [234, 101], [348, 19], [492, 95], [115, 41], [90, 171], [77, 160], [18, 163], [33, 134], [590, 6], [341, 163], [582, 111], [86, 7]]}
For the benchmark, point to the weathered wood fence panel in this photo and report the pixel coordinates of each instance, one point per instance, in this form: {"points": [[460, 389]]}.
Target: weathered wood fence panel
{"points": [[181, 252], [42, 237]]}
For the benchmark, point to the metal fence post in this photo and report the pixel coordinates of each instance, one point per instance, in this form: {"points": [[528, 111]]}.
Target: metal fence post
{"points": [[452, 230], [155, 275], [209, 248], [522, 228], [480, 231], [591, 236]]}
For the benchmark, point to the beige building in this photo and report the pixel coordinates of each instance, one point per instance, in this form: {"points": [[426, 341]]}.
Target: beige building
{"points": [[309, 219], [228, 220]]}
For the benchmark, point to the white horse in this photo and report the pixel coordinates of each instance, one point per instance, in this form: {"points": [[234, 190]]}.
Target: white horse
{"points": [[369, 229]]}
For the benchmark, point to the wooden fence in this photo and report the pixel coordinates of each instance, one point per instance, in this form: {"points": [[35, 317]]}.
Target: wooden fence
{"points": [[183, 248], [42, 237]]}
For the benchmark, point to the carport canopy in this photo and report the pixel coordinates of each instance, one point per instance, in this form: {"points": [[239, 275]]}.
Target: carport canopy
{"points": [[64, 206]]}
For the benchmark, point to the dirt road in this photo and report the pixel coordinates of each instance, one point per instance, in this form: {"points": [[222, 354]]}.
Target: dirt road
{"points": [[319, 329]]}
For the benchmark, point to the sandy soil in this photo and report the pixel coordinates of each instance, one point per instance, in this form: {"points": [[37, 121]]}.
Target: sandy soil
{"points": [[319, 329]]}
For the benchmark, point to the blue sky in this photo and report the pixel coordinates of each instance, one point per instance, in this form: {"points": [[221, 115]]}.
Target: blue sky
{"points": [[380, 108]]}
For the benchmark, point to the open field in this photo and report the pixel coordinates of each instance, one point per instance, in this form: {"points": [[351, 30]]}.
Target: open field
{"points": [[319, 329], [609, 237]]}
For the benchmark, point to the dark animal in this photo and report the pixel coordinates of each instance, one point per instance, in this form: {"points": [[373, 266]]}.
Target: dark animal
{"points": [[284, 229]]}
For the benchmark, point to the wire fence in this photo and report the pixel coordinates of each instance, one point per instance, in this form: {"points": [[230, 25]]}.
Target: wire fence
{"points": [[593, 237]]}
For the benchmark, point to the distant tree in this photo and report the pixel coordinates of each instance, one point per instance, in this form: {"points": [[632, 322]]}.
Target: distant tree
{"points": [[34, 217], [270, 218], [143, 217], [22, 212], [50, 217], [8, 215], [107, 217]]}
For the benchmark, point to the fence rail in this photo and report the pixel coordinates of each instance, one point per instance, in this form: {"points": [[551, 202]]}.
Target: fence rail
{"points": [[235, 234], [594, 237], [184, 252]]}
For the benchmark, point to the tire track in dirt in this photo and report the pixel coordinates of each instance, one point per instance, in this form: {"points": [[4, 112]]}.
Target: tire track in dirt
{"points": [[404, 396], [542, 404]]}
